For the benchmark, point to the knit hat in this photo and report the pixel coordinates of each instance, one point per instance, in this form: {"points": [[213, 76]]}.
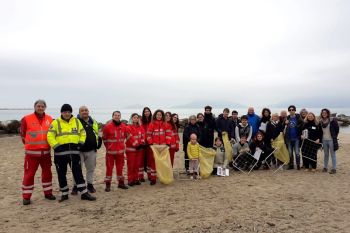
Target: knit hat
{"points": [[66, 108]]}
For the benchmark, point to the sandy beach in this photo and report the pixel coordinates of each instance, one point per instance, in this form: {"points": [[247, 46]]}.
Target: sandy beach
{"points": [[288, 201]]}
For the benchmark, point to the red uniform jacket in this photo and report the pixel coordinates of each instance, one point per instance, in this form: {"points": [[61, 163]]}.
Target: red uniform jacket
{"points": [[114, 138], [135, 137], [175, 139], [159, 132]]}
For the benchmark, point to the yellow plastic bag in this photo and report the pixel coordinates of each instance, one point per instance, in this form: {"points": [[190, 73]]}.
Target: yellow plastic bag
{"points": [[206, 161], [281, 152], [163, 163], [228, 147]]}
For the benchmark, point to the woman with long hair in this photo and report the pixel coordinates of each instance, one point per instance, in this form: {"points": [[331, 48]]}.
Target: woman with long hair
{"points": [[158, 133], [330, 131], [175, 140], [146, 119], [135, 140], [265, 118]]}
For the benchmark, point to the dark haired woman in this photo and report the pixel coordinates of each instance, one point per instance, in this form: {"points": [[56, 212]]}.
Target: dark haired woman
{"points": [[146, 119], [158, 133], [265, 118], [330, 131], [175, 140], [258, 143], [135, 140]]}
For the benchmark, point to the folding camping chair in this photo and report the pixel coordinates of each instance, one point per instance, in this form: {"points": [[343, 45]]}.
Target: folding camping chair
{"points": [[245, 162], [278, 167], [310, 147]]}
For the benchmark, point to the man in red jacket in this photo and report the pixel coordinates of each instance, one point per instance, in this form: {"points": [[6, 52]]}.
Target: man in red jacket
{"points": [[34, 129], [114, 135]]}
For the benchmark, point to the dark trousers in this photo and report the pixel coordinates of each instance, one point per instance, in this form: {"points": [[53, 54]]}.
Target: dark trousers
{"points": [[187, 162], [61, 163], [310, 160]]}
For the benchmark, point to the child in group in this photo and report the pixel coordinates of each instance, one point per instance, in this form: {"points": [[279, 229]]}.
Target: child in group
{"points": [[193, 152], [220, 157], [241, 149]]}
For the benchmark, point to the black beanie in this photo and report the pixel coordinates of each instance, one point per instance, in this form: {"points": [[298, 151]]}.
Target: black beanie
{"points": [[66, 108]]}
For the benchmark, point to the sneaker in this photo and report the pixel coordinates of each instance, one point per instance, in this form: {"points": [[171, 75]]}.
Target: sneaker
{"points": [[333, 171], [50, 197], [290, 167], [122, 186], [87, 196], [108, 187], [26, 202], [298, 167], [74, 191], [324, 169], [306, 169], [91, 188], [63, 198], [313, 170]]}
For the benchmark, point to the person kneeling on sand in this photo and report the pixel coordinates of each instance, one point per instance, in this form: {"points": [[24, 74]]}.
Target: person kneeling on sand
{"points": [[220, 157], [241, 149]]}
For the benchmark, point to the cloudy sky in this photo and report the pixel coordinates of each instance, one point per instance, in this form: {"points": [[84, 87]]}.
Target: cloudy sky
{"points": [[166, 53]]}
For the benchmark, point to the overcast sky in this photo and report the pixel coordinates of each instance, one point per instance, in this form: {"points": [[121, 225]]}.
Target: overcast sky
{"points": [[119, 53]]}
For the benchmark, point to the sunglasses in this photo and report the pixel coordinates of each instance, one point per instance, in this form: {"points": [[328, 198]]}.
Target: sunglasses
{"points": [[290, 110]]}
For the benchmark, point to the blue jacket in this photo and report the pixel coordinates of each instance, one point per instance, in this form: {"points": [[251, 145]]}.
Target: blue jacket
{"points": [[254, 121]]}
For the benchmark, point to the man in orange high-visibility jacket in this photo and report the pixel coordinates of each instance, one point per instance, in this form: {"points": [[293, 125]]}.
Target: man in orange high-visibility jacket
{"points": [[34, 129]]}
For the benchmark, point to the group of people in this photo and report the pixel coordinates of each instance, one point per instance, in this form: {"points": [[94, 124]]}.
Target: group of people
{"points": [[75, 141]]}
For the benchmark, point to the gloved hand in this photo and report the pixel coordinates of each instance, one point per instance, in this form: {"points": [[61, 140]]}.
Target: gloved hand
{"points": [[80, 146], [99, 144]]}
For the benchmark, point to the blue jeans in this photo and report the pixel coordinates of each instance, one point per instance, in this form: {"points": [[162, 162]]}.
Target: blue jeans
{"points": [[329, 148], [294, 145]]}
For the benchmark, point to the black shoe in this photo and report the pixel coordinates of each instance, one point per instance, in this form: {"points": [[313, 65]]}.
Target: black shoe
{"points": [[131, 184], [291, 167], [153, 182], [108, 187], [87, 196], [63, 198], [50, 197], [142, 180], [122, 186], [74, 191], [26, 202], [91, 188], [298, 167], [137, 182], [333, 171]]}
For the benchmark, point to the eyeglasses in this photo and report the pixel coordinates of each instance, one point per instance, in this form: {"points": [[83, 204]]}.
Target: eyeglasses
{"points": [[292, 110]]}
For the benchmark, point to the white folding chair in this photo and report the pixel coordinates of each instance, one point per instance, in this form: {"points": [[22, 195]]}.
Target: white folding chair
{"points": [[245, 162]]}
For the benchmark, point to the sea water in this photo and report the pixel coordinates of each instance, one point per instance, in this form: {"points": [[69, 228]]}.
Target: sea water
{"points": [[105, 114]]}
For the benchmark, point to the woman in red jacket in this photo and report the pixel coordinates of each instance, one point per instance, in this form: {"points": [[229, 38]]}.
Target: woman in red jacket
{"points": [[134, 142], [146, 119], [175, 140], [158, 133]]}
